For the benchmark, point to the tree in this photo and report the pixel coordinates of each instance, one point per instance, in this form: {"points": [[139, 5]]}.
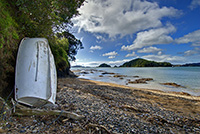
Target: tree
{"points": [[74, 44], [49, 18], [35, 18], [42, 17]]}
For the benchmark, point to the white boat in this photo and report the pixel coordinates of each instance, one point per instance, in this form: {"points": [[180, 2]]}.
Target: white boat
{"points": [[35, 73]]}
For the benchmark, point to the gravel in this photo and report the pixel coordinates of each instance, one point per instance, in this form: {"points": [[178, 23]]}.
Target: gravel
{"points": [[109, 109]]}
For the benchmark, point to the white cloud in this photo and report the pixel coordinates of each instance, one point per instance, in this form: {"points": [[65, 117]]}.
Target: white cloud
{"points": [[193, 38], [192, 52], [110, 55], [118, 62], [121, 17], [95, 47], [150, 50], [97, 63], [131, 55], [152, 37], [160, 52], [194, 4], [165, 58]]}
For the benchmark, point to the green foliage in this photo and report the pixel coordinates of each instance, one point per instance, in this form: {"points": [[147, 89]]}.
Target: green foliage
{"points": [[35, 18], [9, 37], [145, 63], [73, 44], [63, 46], [59, 50], [44, 18], [7, 25]]}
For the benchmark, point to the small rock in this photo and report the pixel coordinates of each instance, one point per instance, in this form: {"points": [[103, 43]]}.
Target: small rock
{"points": [[107, 73], [119, 75], [172, 84], [142, 80], [84, 72], [22, 131], [34, 131]]}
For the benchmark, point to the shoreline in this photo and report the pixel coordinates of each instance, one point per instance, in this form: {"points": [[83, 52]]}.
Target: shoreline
{"points": [[170, 93], [136, 81]]}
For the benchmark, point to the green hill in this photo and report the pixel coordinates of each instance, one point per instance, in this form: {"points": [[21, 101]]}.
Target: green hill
{"points": [[139, 62], [104, 65]]}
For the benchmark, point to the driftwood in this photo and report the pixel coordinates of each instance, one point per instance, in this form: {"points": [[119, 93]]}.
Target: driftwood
{"points": [[24, 111], [98, 127]]}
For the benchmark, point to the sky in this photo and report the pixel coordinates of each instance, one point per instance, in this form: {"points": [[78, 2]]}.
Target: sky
{"points": [[117, 31]]}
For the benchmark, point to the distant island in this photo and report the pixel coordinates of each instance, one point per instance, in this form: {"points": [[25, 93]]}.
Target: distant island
{"points": [[191, 65], [139, 62], [78, 66], [104, 65]]}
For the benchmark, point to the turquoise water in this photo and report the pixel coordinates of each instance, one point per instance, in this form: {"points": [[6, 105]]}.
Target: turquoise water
{"points": [[189, 77]]}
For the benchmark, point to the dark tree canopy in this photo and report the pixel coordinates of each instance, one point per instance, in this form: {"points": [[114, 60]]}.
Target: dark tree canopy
{"points": [[38, 17], [74, 44]]}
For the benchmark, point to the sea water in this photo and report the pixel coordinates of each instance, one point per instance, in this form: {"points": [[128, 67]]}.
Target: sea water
{"points": [[187, 77]]}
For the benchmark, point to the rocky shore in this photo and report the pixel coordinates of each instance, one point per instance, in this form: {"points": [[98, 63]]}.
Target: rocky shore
{"points": [[111, 108], [125, 80]]}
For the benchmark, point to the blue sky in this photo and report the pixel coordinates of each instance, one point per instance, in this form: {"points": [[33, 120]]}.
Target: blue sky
{"points": [[116, 31]]}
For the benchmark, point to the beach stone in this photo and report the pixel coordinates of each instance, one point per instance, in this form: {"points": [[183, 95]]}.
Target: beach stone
{"points": [[147, 79], [142, 81], [184, 93], [107, 73], [117, 75], [84, 72], [172, 84], [112, 109], [4, 108], [137, 82]]}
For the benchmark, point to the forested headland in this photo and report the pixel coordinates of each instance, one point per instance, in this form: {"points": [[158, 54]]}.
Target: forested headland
{"points": [[139, 62], [49, 19]]}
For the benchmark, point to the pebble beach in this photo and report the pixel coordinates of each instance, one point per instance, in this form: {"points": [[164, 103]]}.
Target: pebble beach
{"points": [[112, 108]]}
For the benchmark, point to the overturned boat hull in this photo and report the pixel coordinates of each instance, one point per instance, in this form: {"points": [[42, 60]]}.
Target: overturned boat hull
{"points": [[35, 77]]}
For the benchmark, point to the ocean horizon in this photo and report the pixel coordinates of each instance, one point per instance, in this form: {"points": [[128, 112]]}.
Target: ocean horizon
{"points": [[187, 77]]}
